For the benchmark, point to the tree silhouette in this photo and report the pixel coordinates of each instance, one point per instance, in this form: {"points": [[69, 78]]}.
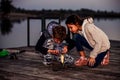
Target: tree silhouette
{"points": [[5, 6], [5, 25]]}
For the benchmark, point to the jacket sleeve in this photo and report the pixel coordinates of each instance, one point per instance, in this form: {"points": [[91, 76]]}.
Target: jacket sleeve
{"points": [[39, 46]]}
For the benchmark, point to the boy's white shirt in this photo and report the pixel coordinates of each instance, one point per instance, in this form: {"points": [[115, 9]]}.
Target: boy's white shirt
{"points": [[96, 38]]}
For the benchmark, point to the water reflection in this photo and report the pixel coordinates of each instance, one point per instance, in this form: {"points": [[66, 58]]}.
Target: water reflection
{"points": [[5, 25], [18, 31]]}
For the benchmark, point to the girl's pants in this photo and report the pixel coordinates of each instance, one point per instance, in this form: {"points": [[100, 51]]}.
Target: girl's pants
{"points": [[81, 41]]}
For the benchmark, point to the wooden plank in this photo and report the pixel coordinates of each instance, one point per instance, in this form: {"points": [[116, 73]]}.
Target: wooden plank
{"points": [[29, 66]]}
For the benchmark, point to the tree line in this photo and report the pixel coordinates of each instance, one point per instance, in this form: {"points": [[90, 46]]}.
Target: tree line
{"points": [[7, 7]]}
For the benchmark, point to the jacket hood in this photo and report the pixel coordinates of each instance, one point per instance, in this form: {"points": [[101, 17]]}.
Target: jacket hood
{"points": [[50, 26], [89, 20]]}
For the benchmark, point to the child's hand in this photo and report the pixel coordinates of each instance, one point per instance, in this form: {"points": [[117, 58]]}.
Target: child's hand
{"points": [[53, 51], [65, 49], [91, 61]]}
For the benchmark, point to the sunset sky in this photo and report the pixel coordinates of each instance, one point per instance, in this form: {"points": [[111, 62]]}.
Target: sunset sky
{"points": [[108, 5]]}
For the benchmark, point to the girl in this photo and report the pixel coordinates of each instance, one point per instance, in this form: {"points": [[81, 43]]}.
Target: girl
{"points": [[91, 37]]}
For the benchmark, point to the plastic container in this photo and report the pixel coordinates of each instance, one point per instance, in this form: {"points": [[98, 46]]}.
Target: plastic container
{"points": [[4, 53]]}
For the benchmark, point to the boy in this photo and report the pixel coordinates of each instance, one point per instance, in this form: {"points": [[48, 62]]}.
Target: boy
{"points": [[46, 39], [57, 47]]}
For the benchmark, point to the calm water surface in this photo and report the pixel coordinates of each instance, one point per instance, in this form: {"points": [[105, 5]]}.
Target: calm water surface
{"points": [[18, 36]]}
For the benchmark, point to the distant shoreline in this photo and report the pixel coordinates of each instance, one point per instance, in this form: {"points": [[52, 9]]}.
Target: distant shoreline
{"points": [[17, 12]]}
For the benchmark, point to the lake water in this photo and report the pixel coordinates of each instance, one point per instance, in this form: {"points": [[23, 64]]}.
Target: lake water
{"points": [[18, 35]]}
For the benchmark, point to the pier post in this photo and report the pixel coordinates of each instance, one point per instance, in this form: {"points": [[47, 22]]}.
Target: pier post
{"points": [[43, 24], [59, 20], [28, 32]]}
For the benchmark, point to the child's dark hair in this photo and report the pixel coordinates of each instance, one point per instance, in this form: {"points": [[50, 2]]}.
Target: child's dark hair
{"points": [[59, 32], [74, 19]]}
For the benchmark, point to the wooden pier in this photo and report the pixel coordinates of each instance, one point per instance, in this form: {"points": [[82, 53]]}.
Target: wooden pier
{"points": [[29, 66]]}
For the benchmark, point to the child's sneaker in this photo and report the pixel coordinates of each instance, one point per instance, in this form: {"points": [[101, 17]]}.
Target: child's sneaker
{"points": [[81, 62], [106, 59]]}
